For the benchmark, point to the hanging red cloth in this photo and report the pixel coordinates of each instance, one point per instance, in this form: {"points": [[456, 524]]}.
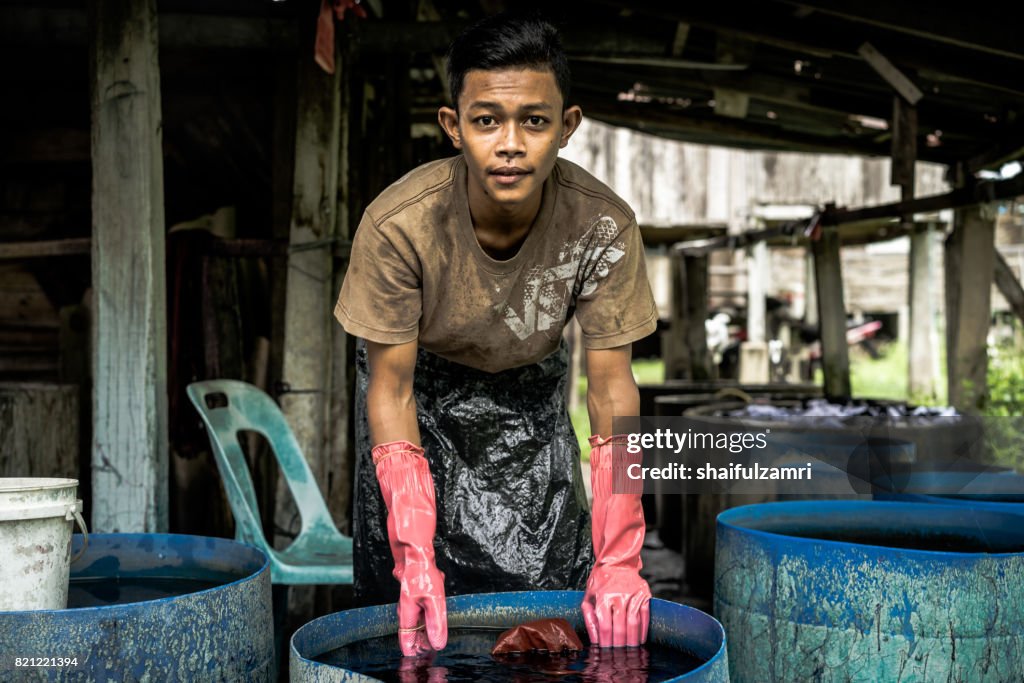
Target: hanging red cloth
{"points": [[324, 52]]}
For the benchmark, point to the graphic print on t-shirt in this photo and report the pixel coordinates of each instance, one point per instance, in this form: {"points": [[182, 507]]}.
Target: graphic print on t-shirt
{"points": [[546, 294]]}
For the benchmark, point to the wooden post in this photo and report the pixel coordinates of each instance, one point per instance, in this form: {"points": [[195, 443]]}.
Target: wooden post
{"points": [[921, 330], [970, 264], [828, 276], [76, 369], [674, 347], [754, 351], [309, 298], [685, 345], [922, 342], [1009, 286], [129, 453], [697, 312], [810, 291], [340, 464]]}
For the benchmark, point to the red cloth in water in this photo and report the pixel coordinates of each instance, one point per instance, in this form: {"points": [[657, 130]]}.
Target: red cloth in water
{"points": [[552, 635]]}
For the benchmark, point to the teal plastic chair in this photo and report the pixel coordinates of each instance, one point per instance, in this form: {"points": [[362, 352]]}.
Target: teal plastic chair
{"points": [[320, 554]]}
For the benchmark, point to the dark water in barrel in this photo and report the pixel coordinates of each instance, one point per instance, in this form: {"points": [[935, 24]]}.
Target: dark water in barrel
{"points": [[947, 542], [468, 658], [96, 592]]}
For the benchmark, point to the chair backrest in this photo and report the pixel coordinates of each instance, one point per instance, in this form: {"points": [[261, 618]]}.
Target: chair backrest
{"points": [[241, 406]]}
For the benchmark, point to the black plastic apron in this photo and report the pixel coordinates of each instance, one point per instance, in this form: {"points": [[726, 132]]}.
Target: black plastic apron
{"points": [[511, 506]]}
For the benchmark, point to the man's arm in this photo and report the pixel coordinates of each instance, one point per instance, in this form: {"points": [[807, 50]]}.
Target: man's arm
{"points": [[390, 404], [616, 604], [408, 492], [611, 389]]}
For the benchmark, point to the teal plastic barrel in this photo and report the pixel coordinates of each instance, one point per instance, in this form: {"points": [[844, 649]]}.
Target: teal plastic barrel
{"points": [[691, 632], [850, 445], [871, 591]]}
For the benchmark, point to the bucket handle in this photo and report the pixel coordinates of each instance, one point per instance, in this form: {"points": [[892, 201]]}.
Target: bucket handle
{"points": [[74, 512], [733, 391]]}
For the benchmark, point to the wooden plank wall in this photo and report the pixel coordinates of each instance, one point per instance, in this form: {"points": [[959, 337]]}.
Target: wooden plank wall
{"points": [[38, 430], [669, 182], [29, 327]]}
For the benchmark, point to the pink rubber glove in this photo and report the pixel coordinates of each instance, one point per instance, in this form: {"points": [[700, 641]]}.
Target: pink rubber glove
{"points": [[616, 606], [408, 490]]}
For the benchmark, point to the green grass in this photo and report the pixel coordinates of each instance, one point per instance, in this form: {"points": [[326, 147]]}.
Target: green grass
{"points": [[886, 377], [1004, 414]]}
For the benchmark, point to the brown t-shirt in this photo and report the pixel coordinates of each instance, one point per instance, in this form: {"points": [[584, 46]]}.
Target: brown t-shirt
{"points": [[417, 271]]}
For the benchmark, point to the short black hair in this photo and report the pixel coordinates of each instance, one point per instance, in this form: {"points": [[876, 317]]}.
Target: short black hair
{"points": [[509, 39]]}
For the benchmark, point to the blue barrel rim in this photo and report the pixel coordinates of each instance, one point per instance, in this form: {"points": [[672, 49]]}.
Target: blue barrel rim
{"points": [[389, 620], [724, 520], [139, 536]]}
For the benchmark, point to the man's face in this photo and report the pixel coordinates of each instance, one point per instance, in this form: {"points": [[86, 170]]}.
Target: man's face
{"points": [[509, 126]]}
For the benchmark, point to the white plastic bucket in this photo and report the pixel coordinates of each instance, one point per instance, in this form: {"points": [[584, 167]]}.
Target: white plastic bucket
{"points": [[36, 519]]}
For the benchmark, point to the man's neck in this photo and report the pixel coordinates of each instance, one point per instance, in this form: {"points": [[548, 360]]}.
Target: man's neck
{"points": [[501, 231]]}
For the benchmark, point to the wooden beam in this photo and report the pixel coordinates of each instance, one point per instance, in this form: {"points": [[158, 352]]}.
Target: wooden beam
{"points": [[890, 73], [975, 193], [679, 41], [82, 246], [828, 276], [69, 27], [129, 449], [762, 22], [959, 25], [650, 117], [75, 246], [1010, 148], [654, 235], [788, 96], [377, 37], [970, 265], [56, 144], [1008, 285]]}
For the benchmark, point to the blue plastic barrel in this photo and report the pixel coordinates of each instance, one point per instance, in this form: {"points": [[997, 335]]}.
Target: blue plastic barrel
{"points": [[672, 625], [222, 631], [852, 454], [871, 591]]}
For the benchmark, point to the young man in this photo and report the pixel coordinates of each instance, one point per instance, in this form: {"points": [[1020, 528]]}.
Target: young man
{"points": [[463, 275]]}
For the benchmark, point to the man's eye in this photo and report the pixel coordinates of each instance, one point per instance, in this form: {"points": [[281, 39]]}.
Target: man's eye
{"points": [[485, 120], [535, 120]]}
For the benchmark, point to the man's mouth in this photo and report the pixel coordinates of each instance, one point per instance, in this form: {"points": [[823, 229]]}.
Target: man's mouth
{"points": [[508, 174]]}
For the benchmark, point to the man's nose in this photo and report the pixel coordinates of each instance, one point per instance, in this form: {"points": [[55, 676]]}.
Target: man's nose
{"points": [[511, 142]]}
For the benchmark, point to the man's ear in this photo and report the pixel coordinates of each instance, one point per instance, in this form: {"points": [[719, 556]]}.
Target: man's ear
{"points": [[449, 120], [571, 118]]}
